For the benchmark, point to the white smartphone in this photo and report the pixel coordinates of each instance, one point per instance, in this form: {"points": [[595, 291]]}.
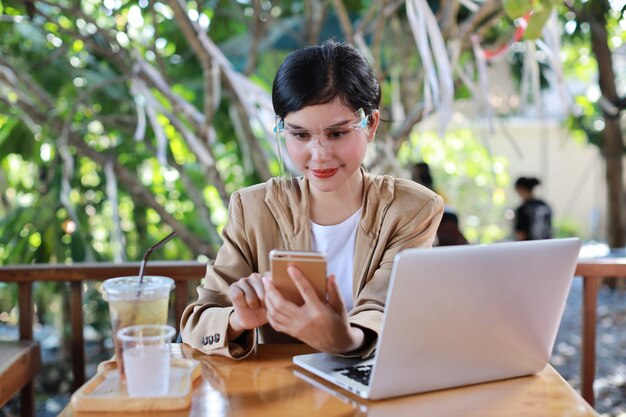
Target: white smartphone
{"points": [[312, 265]]}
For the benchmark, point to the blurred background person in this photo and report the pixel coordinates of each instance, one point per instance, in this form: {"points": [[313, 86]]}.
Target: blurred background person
{"points": [[448, 232], [533, 218], [420, 173]]}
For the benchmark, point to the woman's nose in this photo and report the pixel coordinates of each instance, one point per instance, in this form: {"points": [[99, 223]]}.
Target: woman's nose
{"points": [[320, 149]]}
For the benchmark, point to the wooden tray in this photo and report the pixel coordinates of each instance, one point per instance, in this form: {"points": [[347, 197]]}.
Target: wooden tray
{"points": [[104, 393]]}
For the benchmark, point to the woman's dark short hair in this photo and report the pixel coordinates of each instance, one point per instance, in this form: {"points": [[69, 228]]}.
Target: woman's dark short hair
{"points": [[319, 74], [527, 183]]}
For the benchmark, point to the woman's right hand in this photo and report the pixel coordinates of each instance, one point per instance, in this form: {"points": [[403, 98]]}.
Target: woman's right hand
{"points": [[247, 295]]}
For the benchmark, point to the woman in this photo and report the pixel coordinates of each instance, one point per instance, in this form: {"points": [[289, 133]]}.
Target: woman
{"points": [[533, 218], [326, 99]]}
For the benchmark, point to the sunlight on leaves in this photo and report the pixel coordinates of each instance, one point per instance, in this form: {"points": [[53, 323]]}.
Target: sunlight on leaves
{"points": [[470, 180]]}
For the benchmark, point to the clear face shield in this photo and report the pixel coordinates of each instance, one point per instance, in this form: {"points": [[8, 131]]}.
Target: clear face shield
{"points": [[325, 138]]}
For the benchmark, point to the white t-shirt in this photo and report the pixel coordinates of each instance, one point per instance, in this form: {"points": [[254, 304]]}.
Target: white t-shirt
{"points": [[338, 242]]}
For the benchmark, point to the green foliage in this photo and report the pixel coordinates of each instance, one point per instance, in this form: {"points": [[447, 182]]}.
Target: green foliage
{"points": [[15, 138], [566, 228], [538, 19], [579, 63], [539, 10], [587, 122], [515, 9], [471, 181]]}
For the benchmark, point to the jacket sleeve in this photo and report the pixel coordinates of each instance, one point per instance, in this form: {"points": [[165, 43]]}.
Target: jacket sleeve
{"points": [[401, 229], [204, 323]]}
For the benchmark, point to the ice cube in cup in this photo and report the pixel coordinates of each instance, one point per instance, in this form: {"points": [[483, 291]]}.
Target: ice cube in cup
{"points": [[146, 351], [132, 304]]}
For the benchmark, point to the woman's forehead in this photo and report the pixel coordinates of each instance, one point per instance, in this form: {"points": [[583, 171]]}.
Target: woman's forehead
{"points": [[327, 114]]}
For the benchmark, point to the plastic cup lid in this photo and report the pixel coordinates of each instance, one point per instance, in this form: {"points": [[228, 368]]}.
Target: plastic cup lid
{"points": [[123, 287]]}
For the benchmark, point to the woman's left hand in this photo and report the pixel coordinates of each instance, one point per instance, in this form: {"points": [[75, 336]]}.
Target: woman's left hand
{"points": [[321, 324]]}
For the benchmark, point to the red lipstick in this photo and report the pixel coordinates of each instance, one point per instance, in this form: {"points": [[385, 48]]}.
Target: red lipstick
{"points": [[324, 173]]}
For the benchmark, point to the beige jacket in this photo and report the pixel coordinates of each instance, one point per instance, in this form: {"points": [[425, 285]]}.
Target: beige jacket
{"points": [[396, 214]]}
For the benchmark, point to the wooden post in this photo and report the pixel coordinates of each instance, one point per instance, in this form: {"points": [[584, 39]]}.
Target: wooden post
{"points": [[25, 301], [180, 302], [78, 338], [588, 353]]}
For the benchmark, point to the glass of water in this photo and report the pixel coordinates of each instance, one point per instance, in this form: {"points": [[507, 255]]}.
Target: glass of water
{"points": [[146, 350]]}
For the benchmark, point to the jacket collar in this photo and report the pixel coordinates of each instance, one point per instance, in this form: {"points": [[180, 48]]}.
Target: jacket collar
{"points": [[288, 201], [377, 196]]}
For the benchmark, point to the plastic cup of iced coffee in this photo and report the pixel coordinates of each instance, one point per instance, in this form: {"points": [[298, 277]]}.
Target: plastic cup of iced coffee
{"points": [[132, 303]]}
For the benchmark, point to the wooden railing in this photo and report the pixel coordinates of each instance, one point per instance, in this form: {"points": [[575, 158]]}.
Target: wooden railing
{"points": [[592, 271], [181, 272]]}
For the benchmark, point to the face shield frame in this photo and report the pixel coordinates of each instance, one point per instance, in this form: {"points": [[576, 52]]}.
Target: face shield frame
{"points": [[321, 137]]}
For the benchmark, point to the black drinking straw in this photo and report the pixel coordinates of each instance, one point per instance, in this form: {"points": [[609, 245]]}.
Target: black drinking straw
{"points": [[143, 265], [149, 251]]}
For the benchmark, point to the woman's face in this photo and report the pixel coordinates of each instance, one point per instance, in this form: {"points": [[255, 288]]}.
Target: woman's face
{"points": [[327, 143], [524, 193]]}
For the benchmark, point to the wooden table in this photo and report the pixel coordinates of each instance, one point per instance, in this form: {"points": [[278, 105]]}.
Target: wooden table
{"points": [[592, 270], [267, 384], [19, 363]]}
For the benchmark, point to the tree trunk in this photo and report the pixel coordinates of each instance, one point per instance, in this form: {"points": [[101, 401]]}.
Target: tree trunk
{"points": [[612, 145]]}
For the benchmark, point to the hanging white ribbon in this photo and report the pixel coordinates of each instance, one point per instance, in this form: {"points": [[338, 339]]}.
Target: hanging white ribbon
{"points": [[438, 82], [161, 139], [530, 60], [398, 113], [418, 28], [140, 107], [482, 96], [551, 46], [117, 237]]}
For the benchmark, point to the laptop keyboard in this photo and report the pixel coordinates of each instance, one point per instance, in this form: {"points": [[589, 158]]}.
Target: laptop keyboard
{"points": [[360, 373]]}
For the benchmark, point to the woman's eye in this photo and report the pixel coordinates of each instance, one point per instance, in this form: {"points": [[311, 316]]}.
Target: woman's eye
{"points": [[336, 133], [299, 134], [303, 135]]}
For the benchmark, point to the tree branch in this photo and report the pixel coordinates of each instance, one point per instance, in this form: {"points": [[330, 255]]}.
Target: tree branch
{"points": [[200, 205], [487, 10], [114, 53], [258, 27], [344, 20], [448, 12], [140, 192], [205, 49], [204, 154]]}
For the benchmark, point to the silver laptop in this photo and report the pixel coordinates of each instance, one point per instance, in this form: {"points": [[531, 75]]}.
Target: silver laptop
{"points": [[461, 315]]}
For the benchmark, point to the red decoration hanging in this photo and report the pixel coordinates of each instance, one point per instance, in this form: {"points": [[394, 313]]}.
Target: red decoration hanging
{"points": [[522, 24]]}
